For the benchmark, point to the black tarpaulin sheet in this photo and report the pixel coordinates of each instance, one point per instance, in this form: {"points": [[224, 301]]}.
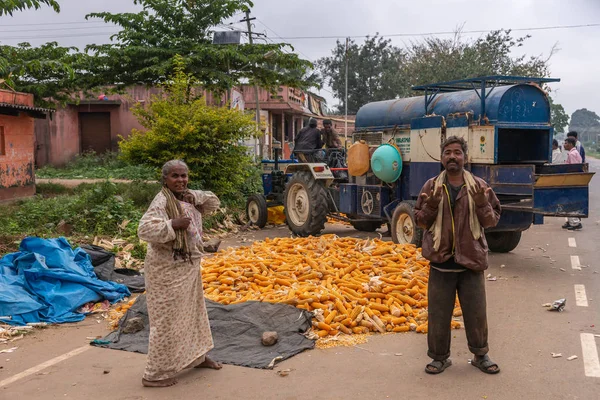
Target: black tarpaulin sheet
{"points": [[237, 332], [104, 267]]}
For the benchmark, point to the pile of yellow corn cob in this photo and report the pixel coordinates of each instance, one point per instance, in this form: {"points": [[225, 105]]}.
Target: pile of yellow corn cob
{"points": [[352, 286]]}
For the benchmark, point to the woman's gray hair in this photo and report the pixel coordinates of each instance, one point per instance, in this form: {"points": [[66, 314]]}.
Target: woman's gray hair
{"points": [[169, 165]]}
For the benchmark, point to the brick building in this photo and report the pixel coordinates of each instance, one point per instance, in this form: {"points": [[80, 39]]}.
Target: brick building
{"points": [[17, 172]]}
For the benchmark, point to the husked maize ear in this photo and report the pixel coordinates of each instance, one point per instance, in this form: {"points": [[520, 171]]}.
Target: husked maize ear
{"points": [[358, 286]]}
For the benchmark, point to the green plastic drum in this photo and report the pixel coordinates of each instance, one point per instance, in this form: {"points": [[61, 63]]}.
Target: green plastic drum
{"points": [[386, 163]]}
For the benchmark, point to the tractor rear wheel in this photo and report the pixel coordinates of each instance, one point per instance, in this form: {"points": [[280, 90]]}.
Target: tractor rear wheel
{"points": [[404, 225], [502, 242], [305, 201], [256, 210]]}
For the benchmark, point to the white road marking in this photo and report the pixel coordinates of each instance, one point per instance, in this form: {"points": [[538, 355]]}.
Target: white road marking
{"points": [[580, 297], [590, 355], [44, 365], [572, 242], [575, 263]]}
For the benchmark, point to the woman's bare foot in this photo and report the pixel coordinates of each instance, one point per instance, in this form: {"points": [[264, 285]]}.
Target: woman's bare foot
{"points": [[209, 363], [162, 383]]}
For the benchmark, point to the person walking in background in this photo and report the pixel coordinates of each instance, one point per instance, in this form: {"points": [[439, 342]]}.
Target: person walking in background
{"points": [[454, 208], [557, 155], [578, 145], [573, 157], [180, 333]]}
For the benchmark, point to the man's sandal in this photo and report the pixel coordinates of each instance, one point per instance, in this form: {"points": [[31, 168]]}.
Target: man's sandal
{"points": [[485, 364], [437, 367]]}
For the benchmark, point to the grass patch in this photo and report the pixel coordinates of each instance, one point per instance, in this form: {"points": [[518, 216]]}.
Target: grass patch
{"points": [[94, 166], [101, 209]]}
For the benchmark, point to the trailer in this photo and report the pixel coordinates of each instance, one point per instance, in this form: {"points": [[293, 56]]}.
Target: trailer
{"points": [[506, 123]]}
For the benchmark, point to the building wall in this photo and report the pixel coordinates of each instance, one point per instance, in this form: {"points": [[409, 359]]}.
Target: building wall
{"points": [[58, 140], [17, 177]]}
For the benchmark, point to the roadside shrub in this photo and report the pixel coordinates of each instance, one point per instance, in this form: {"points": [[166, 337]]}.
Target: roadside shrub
{"points": [[209, 139]]}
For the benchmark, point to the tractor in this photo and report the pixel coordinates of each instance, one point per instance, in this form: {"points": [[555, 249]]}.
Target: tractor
{"points": [[506, 123]]}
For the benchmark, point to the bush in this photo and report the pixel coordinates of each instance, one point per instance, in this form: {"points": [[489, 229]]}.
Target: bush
{"points": [[209, 139]]}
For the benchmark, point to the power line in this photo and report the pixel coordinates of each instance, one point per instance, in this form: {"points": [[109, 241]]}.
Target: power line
{"points": [[103, 26], [275, 33], [55, 23], [56, 36], [540, 28]]}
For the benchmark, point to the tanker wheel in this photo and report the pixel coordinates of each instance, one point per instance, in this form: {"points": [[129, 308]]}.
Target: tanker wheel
{"points": [[366, 226], [256, 210], [502, 242], [404, 226], [305, 201]]}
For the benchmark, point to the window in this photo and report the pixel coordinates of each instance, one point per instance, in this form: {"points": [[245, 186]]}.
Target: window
{"points": [[2, 142]]}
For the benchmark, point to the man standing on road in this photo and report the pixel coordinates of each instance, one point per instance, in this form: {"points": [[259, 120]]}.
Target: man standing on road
{"points": [[557, 155], [454, 208], [573, 157], [578, 145]]}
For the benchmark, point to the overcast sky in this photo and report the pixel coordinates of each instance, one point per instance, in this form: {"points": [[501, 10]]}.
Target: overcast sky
{"points": [[576, 63]]}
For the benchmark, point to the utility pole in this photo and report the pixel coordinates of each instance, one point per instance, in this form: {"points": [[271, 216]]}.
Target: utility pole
{"points": [[261, 136], [346, 99]]}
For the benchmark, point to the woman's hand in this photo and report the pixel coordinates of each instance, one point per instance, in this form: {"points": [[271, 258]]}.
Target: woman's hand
{"points": [[189, 198], [180, 224]]}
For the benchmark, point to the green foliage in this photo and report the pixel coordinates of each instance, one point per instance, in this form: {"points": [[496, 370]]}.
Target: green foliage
{"points": [[8, 7], [373, 72], [558, 116], [142, 53], [380, 71], [47, 71], [181, 126], [93, 166], [143, 50], [99, 209]]}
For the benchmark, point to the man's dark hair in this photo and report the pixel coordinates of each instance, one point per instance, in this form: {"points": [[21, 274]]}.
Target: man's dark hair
{"points": [[554, 142], [571, 140], [312, 122], [326, 122], [455, 139], [572, 134]]}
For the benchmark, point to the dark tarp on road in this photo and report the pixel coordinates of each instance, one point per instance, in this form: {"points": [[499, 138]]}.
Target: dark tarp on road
{"points": [[104, 267], [47, 281], [237, 332]]}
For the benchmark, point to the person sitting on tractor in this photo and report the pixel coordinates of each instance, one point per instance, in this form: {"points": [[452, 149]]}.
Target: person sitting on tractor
{"points": [[308, 140], [330, 136]]}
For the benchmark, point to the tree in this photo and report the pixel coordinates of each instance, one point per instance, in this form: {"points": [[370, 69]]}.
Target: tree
{"points": [[558, 117], [586, 123], [180, 125], [8, 7], [50, 72], [372, 71], [378, 70], [142, 51]]}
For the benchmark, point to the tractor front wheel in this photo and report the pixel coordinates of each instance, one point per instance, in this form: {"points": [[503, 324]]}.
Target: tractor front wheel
{"points": [[305, 201], [256, 210]]}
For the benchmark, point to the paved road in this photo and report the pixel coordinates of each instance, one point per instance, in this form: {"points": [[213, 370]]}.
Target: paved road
{"points": [[522, 337]]}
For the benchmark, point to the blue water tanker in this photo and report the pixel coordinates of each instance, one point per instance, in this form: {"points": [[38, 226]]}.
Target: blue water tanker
{"points": [[506, 123]]}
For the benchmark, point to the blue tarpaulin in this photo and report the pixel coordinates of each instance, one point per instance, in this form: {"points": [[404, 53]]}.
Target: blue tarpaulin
{"points": [[47, 281]]}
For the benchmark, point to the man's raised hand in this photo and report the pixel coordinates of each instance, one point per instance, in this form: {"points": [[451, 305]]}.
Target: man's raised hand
{"points": [[433, 198]]}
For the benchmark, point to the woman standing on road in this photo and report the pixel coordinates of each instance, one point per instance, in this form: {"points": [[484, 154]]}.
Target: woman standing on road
{"points": [[180, 333]]}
